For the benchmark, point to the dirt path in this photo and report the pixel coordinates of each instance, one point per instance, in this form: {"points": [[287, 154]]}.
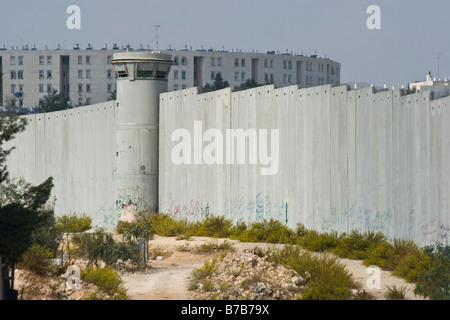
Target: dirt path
{"points": [[169, 278]]}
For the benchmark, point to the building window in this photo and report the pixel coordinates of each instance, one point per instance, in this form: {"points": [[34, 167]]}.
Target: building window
{"points": [[20, 60], [183, 61], [80, 101], [41, 60], [88, 88], [236, 62], [88, 74], [41, 74], [266, 78], [213, 75], [183, 75], [243, 63], [284, 64], [213, 62], [236, 76], [13, 88], [271, 78], [49, 60], [175, 87], [80, 88], [108, 59], [20, 74], [183, 86], [12, 60], [175, 61], [243, 76], [219, 62], [108, 74], [88, 101], [88, 59], [80, 60], [20, 87], [284, 78], [49, 74], [13, 75], [108, 87], [289, 78], [290, 64], [175, 74], [49, 88], [41, 88]]}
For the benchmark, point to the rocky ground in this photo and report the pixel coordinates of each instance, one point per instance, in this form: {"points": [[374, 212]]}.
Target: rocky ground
{"points": [[249, 274], [243, 273]]}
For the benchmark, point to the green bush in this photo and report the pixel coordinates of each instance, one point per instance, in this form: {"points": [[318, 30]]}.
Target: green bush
{"points": [[329, 280], [215, 226], [95, 246], [272, 231], [395, 293], [73, 223], [107, 280], [358, 245], [434, 282], [380, 256], [38, 260], [313, 241], [167, 226]]}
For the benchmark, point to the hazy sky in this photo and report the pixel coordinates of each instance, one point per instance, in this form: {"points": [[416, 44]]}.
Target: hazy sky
{"points": [[413, 33]]}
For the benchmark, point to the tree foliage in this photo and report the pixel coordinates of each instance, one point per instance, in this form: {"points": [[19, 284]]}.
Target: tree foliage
{"points": [[218, 84], [54, 101], [25, 218]]}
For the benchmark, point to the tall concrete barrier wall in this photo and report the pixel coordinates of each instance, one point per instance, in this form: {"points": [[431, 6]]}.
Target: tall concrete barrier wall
{"points": [[348, 159], [77, 148]]}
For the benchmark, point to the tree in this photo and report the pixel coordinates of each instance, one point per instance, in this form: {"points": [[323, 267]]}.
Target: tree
{"points": [[218, 84], [54, 101], [23, 213], [248, 84]]}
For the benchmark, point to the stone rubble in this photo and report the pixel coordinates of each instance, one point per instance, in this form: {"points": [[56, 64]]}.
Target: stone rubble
{"points": [[250, 275]]}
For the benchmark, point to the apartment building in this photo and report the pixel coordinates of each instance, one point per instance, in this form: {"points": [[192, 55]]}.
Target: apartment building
{"points": [[87, 75]]}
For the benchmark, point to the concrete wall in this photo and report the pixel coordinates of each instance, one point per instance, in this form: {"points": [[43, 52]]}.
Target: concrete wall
{"points": [[77, 147], [348, 160]]}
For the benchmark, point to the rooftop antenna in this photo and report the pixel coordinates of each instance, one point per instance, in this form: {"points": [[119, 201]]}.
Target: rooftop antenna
{"points": [[439, 62], [156, 27]]}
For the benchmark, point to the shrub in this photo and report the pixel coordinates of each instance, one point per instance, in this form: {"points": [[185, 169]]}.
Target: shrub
{"points": [[380, 256], [395, 293], [38, 259], [215, 226], [313, 241], [167, 226], [434, 282], [272, 231], [96, 246], [208, 269], [329, 280], [72, 223], [358, 245], [107, 280], [211, 246]]}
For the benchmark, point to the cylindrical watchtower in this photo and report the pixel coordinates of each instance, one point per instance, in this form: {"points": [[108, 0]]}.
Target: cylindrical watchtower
{"points": [[142, 76]]}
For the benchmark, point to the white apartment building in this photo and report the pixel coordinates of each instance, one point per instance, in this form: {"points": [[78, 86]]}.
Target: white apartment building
{"points": [[87, 75]]}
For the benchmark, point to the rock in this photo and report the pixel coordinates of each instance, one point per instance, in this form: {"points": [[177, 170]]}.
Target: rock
{"points": [[299, 281], [159, 258]]}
